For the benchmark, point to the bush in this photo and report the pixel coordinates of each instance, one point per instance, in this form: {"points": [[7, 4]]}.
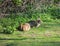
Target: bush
{"points": [[17, 2], [46, 17], [1, 29], [8, 25], [8, 30], [54, 11]]}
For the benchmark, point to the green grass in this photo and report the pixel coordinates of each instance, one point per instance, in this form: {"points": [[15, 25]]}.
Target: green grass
{"points": [[27, 43], [48, 34]]}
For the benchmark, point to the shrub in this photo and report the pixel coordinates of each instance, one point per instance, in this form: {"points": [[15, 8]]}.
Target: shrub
{"points": [[55, 12], [17, 2], [1, 29], [8, 30], [46, 17]]}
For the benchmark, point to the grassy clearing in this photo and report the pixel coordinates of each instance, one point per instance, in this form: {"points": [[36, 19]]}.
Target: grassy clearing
{"points": [[27, 43], [48, 34], [45, 30]]}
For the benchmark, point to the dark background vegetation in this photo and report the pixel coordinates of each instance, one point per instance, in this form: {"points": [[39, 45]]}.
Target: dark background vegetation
{"points": [[15, 12]]}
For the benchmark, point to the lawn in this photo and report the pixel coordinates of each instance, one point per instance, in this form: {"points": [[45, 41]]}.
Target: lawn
{"points": [[48, 34]]}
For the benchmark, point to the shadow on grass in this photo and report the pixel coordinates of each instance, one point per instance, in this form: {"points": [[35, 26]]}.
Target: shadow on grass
{"points": [[19, 38], [35, 44], [11, 44]]}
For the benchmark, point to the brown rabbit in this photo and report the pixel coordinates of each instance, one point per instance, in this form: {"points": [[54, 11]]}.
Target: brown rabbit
{"points": [[25, 27]]}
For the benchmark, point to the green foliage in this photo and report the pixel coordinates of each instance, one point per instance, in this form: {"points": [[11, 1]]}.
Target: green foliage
{"points": [[55, 12], [1, 28], [56, 1], [8, 25], [46, 17], [8, 30], [17, 2], [6, 22], [0, 1]]}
